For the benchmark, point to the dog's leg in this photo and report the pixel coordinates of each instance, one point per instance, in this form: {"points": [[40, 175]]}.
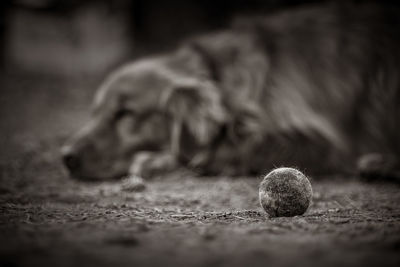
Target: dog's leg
{"points": [[379, 167], [148, 164]]}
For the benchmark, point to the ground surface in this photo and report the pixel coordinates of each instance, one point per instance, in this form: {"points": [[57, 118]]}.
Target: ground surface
{"points": [[47, 219]]}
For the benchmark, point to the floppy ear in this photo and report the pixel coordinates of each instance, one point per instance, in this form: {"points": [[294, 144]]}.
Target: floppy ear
{"points": [[198, 108]]}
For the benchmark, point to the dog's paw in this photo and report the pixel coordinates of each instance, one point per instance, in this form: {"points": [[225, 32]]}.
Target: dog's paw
{"points": [[377, 166], [133, 183], [151, 164]]}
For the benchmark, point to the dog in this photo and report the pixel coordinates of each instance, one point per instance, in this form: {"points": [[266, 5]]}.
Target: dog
{"points": [[315, 87]]}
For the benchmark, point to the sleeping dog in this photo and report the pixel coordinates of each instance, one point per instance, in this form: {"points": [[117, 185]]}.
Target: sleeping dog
{"points": [[315, 87]]}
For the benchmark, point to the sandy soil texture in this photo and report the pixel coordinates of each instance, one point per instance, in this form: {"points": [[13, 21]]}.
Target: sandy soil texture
{"points": [[48, 219]]}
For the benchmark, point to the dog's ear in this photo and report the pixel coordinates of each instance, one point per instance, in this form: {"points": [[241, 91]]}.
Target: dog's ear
{"points": [[247, 125], [198, 108]]}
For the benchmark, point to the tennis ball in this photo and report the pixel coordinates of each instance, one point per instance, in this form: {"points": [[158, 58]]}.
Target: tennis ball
{"points": [[285, 192]]}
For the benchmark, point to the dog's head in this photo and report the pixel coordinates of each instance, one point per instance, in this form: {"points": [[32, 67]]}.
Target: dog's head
{"points": [[146, 106]]}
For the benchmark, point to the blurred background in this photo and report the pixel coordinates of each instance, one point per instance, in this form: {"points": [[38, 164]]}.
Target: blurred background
{"points": [[54, 53]]}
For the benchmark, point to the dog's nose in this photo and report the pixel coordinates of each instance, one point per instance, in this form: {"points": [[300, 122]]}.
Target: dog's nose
{"points": [[72, 162], [70, 159]]}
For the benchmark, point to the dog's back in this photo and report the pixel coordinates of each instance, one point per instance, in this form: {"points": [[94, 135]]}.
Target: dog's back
{"points": [[323, 81]]}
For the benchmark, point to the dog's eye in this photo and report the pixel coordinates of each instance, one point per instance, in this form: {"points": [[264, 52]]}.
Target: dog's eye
{"points": [[123, 113]]}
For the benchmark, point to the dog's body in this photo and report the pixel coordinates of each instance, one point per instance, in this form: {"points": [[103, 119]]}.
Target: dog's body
{"points": [[316, 88]]}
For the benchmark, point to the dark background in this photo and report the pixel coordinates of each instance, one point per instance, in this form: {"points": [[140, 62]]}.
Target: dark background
{"points": [[56, 35]]}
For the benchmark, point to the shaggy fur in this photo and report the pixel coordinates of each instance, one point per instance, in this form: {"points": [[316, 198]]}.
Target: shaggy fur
{"points": [[316, 88]]}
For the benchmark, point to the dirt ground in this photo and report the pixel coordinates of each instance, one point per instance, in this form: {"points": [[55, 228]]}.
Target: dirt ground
{"points": [[48, 219]]}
